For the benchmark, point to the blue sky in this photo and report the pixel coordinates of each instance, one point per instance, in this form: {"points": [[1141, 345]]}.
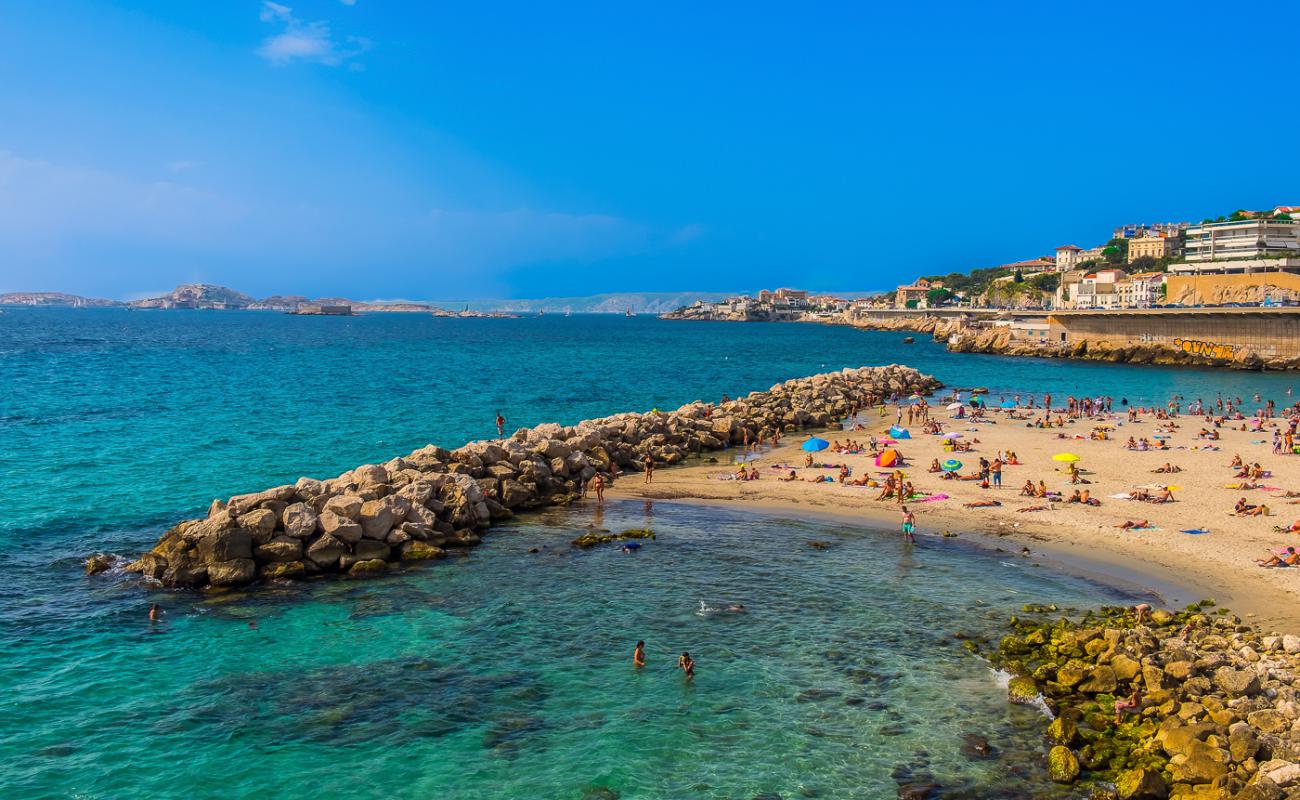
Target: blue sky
{"points": [[468, 150]]}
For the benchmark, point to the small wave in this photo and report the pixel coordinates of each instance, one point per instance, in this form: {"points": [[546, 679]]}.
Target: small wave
{"points": [[1003, 679]]}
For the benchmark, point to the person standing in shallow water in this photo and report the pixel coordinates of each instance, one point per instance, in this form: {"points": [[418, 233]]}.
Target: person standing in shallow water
{"points": [[687, 665], [154, 612], [649, 468], [909, 525], [598, 484], [638, 655], [501, 426]]}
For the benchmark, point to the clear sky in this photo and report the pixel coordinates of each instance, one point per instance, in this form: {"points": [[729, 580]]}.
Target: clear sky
{"points": [[380, 149]]}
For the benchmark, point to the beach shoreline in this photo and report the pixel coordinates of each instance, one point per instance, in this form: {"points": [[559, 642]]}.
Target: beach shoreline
{"points": [[1176, 567]]}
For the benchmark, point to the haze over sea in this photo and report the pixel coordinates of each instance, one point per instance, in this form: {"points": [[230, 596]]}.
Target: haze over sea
{"points": [[503, 673]]}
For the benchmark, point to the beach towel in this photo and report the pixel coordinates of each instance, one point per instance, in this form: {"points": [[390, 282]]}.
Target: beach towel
{"points": [[1196, 531], [1119, 496], [932, 498]]}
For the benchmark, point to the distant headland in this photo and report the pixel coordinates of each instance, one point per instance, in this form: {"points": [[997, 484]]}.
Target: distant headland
{"points": [[211, 297]]}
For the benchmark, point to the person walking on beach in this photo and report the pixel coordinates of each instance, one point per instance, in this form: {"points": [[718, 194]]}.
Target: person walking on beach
{"points": [[909, 525], [649, 468], [501, 426], [638, 655], [598, 485], [687, 665]]}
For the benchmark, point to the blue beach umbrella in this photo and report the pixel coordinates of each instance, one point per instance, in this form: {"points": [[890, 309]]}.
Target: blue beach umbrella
{"points": [[814, 444], [951, 464], [1009, 404], [900, 433]]}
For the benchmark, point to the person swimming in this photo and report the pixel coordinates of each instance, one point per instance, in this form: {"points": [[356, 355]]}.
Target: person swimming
{"points": [[638, 655]]}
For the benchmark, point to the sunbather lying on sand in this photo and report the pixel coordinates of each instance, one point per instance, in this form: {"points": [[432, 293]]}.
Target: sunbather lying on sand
{"points": [[1132, 524], [1290, 559], [1168, 468], [1027, 509], [982, 504]]}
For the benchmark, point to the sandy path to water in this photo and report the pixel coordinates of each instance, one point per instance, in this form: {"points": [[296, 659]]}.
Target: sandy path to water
{"points": [[1220, 564]]}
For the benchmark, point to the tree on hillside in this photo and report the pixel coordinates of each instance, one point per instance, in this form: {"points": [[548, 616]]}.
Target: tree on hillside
{"points": [[1115, 251], [937, 297], [1046, 282], [1144, 264], [1019, 277]]}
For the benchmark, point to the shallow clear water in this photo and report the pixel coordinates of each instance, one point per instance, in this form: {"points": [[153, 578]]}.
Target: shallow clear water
{"points": [[502, 673]]}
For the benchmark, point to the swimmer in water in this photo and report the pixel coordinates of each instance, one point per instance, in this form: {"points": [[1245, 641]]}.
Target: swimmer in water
{"points": [[687, 665], [154, 612], [638, 655], [736, 608]]}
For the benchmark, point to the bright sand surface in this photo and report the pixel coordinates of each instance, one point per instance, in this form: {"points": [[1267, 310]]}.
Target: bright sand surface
{"points": [[1219, 564]]}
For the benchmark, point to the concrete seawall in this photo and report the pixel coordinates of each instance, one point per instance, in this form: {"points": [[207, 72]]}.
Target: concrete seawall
{"points": [[412, 507]]}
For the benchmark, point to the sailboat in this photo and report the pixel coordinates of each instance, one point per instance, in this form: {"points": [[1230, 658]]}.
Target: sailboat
{"points": [[629, 312]]}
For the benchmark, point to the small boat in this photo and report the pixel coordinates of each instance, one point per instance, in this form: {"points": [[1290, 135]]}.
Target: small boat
{"points": [[909, 339], [629, 312]]}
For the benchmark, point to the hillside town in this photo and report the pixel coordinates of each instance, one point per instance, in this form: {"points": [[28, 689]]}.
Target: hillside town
{"points": [[1247, 258]]}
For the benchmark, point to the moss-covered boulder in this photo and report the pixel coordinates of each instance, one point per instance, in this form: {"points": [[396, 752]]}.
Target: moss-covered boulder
{"points": [[1062, 765], [1140, 784], [1022, 690], [1063, 731]]}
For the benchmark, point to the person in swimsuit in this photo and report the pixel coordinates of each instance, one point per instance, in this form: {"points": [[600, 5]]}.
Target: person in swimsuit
{"points": [[501, 426], [687, 665], [909, 525], [638, 655], [649, 462], [598, 484], [154, 612]]}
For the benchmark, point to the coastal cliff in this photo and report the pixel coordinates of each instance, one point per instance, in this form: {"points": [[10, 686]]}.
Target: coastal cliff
{"points": [[412, 507]]}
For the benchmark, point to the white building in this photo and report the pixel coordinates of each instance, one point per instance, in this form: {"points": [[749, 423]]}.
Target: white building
{"points": [[1098, 289], [1140, 291], [1068, 257], [1241, 246]]}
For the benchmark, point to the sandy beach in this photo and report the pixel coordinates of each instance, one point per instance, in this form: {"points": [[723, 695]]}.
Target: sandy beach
{"points": [[1219, 564]]}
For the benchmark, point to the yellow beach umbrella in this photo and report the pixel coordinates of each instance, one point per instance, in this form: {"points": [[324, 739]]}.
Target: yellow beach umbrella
{"points": [[1173, 488], [1067, 457]]}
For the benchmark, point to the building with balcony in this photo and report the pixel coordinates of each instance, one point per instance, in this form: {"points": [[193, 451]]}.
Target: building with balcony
{"points": [[1098, 289], [1067, 257], [1244, 245], [1141, 290]]}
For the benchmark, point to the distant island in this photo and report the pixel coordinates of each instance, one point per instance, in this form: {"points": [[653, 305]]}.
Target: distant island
{"points": [[210, 297]]}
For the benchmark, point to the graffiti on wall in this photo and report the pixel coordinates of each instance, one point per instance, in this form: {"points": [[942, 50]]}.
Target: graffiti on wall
{"points": [[1198, 347]]}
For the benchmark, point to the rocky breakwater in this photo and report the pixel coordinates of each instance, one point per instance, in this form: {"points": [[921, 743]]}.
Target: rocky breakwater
{"points": [[413, 507], [1208, 708]]}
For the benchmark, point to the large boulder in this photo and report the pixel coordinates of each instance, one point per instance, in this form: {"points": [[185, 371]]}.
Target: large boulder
{"points": [[280, 548], [366, 569], [345, 505], [514, 493], [228, 544], [419, 551], [235, 572], [1140, 784], [376, 519], [299, 520], [369, 474], [340, 527], [1236, 682], [1062, 765], [1200, 762], [242, 503], [1100, 681], [325, 551], [260, 524]]}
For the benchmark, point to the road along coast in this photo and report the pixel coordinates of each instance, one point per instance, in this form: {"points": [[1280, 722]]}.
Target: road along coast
{"points": [[412, 507]]}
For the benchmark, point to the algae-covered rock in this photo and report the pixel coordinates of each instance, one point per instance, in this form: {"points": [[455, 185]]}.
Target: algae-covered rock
{"points": [[419, 551], [1140, 784], [1063, 731], [368, 568], [1062, 765], [1022, 690], [592, 539]]}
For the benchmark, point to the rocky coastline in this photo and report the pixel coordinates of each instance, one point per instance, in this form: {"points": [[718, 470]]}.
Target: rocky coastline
{"points": [[961, 338], [1213, 705], [413, 507]]}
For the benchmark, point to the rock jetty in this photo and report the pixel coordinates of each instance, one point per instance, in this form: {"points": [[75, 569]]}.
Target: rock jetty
{"points": [[1215, 716], [413, 507]]}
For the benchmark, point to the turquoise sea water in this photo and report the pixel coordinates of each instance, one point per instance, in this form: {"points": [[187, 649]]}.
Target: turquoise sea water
{"points": [[503, 673]]}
